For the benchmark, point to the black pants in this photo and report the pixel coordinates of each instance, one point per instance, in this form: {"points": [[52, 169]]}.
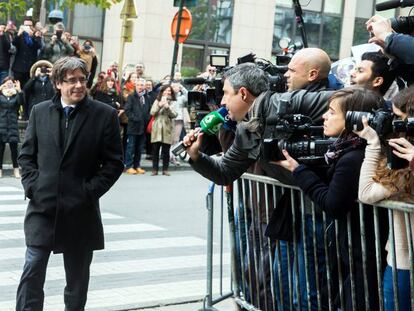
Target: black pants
{"points": [[30, 295], [156, 155], [13, 150]]}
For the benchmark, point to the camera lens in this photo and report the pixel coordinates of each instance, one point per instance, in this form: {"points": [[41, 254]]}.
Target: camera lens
{"points": [[353, 120], [410, 127]]}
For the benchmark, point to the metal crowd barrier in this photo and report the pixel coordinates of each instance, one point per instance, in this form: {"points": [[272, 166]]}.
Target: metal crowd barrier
{"points": [[306, 269]]}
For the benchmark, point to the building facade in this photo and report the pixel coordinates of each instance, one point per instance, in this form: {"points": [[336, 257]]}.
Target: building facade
{"points": [[233, 27]]}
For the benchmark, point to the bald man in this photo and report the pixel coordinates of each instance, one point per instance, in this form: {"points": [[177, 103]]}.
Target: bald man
{"points": [[306, 67]]}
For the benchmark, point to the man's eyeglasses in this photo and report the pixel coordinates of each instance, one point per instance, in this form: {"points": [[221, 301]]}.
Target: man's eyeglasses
{"points": [[212, 70], [73, 81]]}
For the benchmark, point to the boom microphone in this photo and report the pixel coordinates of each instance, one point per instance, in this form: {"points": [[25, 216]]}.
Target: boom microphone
{"points": [[195, 81], [210, 124], [392, 4]]}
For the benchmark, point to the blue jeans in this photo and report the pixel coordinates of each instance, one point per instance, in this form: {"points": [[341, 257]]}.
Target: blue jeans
{"points": [[301, 278], [134, 150], [30, 295], [403, 286]]}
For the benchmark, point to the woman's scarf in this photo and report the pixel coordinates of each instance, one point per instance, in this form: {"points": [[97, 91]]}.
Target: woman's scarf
{"points": [[9, 92], [342, 145]]}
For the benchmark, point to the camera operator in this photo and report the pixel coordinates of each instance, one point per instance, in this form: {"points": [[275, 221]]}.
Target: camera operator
{"points": [[336, 193], [378, 182], [249, 103], [39, 88], [244, 89], [397, 45]]}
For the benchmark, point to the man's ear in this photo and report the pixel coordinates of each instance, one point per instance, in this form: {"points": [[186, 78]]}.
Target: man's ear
{"points": [[377, 82], [58, 85], [244, 93], [313, 74]]}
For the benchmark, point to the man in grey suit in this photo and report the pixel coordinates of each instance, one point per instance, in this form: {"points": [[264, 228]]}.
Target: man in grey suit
{"points": [[70, 157]]}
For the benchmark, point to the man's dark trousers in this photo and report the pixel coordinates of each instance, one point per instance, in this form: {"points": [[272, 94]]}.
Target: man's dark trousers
{"points": [[30, 294]]}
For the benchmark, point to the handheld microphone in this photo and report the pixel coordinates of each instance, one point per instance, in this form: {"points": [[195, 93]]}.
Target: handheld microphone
{"points": [[392, 4], [210, 124]]}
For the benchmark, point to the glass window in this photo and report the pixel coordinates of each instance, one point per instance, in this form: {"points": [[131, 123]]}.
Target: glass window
{"points": [[192, 61], [212, 21], [313, 22], [89, 21], [284, 25], [322, 30], [361, 35], [314, 5], [220, 25], [287, 3], [331, 28], [333, 6]]}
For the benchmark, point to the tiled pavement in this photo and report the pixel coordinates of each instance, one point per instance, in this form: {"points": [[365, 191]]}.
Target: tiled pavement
{"points": [[143, 265]]}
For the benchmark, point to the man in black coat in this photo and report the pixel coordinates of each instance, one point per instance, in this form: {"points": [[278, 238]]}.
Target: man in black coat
{"points": [[4, 52], [137, 110], [70, 157], [27, 43]]}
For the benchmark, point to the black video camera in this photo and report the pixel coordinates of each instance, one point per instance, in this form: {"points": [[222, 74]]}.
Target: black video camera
{"points": [[382, 122], [297, 134], [210, 93], [277, 81], [403, 24]]}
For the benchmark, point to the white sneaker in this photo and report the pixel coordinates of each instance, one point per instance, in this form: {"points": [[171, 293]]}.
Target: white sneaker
{"points": [[16, 172]]}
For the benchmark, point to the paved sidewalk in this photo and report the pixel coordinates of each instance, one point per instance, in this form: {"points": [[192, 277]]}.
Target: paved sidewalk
{"points": [[145, 164], [226, 305]]}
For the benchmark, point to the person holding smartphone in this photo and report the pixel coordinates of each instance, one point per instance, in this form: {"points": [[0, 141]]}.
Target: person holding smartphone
{"points": [[162, 128], [58, 45], [27, 43], [40, 87], [10, 100]]}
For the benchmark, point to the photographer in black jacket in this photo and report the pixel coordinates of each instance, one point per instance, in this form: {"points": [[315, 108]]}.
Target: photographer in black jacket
{"points": [[249, 102]]}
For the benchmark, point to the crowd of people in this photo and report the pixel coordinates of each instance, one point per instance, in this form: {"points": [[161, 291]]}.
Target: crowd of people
{"points": [[356, 167], [27, 55], [153, 116]]}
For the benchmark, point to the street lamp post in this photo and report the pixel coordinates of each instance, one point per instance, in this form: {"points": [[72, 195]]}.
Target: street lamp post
{"points": [[128, 12]]}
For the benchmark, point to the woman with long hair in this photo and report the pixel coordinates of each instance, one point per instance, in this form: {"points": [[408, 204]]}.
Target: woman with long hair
{"points": [[162, 128], [337, 193], [11, 98], [379, 182], [108, 94]]}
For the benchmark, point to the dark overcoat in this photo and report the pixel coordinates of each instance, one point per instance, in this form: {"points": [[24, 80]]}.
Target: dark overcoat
{"points": [[9, 129], [137, 113], [64, 184], [37, 91]]}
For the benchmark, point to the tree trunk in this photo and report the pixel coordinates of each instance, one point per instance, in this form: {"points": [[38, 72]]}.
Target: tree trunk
{"points": [[36, 9]]}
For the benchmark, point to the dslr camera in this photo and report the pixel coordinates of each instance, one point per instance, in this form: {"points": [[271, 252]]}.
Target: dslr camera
{"points": [[382, 121], [297, 134]]}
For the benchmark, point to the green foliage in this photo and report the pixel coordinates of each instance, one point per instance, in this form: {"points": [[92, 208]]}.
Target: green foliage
{"points": [[105, 4], [187, 72], [16, 9], [205, 23], [13, 9]]}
